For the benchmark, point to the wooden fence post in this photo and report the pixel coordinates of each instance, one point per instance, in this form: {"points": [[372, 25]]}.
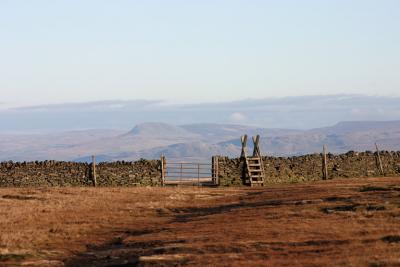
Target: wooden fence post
{"points": [[181, 171], [94, 175], [379, 159], [217, 170], [324, 164], [162, 170]]}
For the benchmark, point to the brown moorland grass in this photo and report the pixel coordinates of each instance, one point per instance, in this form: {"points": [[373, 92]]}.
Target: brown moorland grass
{"points": [[352, 222]]}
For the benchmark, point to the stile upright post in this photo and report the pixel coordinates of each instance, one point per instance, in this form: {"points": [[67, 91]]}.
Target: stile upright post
{"points": [[256, 150], [94, 175], [243, 140]]}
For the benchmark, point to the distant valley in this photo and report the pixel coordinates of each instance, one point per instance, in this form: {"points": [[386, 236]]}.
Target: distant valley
{"points": [[195, 141]]}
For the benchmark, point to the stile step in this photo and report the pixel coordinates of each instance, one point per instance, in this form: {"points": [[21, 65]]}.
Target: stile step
{"points": [[254, 165], [255, 171]]}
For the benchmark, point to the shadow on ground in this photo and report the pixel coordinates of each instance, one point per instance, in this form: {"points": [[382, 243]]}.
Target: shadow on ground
{"points": [[168, 246]]}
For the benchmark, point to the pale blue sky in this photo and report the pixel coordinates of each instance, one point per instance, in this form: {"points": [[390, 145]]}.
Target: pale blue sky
{"points": [[196, 51]]}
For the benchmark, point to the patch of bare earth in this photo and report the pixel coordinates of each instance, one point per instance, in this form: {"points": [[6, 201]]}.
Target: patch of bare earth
{"points": [[352, 222]]}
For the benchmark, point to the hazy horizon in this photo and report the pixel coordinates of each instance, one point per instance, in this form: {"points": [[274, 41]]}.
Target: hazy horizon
{"points": [[301, 112], [56, 52], [182, 103]]}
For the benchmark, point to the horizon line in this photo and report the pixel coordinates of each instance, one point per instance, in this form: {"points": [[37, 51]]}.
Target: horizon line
{"points": [[164, 102]]}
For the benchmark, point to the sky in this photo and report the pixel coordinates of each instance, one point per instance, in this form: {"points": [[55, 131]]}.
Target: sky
{"points": [[59, 51]]}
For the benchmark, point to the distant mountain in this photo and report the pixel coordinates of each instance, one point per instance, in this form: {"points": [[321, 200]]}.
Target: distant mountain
{"points": [[196, 141], [359, 126], [221, 132], [164, 130], [339, 138]]}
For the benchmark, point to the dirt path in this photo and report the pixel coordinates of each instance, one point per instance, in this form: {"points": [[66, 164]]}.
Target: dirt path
{"points": [[340, 222]]}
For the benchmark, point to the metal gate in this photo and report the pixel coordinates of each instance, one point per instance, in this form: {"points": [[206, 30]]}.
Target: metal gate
{"points": [[189, 173]]}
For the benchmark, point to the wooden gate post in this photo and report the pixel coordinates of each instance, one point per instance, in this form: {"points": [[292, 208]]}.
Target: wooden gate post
{"points": [[215, 171], [181, 172], [94, 171], [198, 174], [324, 164], [379, 159]]}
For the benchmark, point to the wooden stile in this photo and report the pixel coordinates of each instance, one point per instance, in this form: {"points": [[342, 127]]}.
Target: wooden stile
{"points": [[254, 164]]}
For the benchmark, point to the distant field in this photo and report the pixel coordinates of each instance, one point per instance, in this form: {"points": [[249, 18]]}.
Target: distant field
{"points": [[352, 222]]}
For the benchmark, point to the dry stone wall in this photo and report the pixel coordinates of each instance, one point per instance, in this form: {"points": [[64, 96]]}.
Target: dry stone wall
{"points": [[143, 172], [56, 173], [230, 171], [309, 167]]}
